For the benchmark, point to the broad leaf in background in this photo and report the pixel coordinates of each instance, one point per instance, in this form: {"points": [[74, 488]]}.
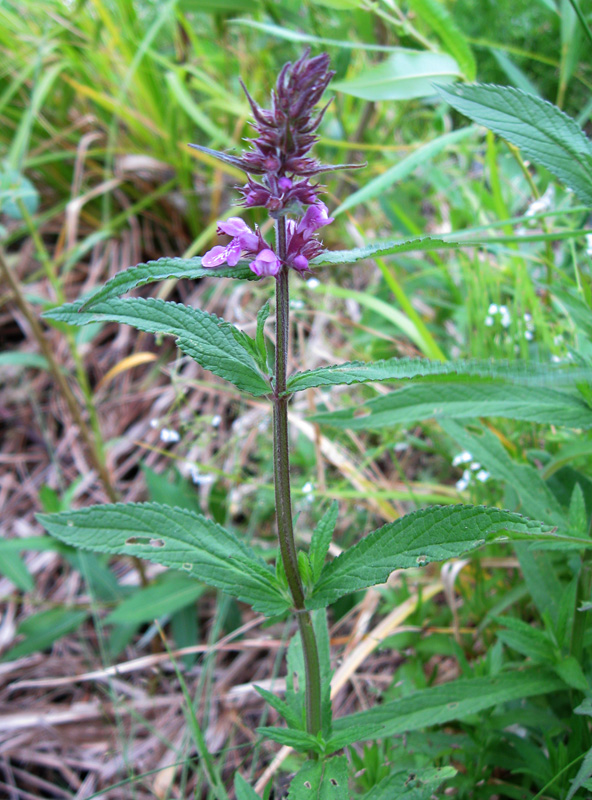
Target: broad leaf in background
{"points": [[463, 401], [175, 538], [528, 373], [436, 16], [378, 186], [402, 76], [165, 596], [321, 780], [206, 338], [412, 785], [43, 629], [431, 534], [161, 270], [449, 701], [542, 131]]}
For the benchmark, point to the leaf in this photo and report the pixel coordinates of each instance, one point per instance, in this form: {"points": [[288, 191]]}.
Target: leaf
{"points": [[291, 737], [542, 132], [530, 642], [450, 701], [436, 15], [415, 785], [262, 316], [528, 373], [14, 568], [379, 185], [160, 270], [19, 359], [321, 780], [402, 76], [243, 790], [151, 602], [283, 709], [431, 534], [570, 671], [584, 772], [175, 538], [42, 630], [321, 539], [204, 337], [355, 733], [461, 401]]}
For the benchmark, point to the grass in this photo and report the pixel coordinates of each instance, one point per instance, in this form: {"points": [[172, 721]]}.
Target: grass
{"points": [[97, 103]]}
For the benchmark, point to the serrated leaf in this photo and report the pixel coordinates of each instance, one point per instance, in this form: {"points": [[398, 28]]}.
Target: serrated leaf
{"points": [[584, 772], [461, 401], [175, 538], [402, 76], [330, 258], [204, 337], [321, 780], [432, 534], [570, 671], [151, 602], [441, 704], [356, 733], [43, 629], [436, 15], [321, 539], [352, 372], [379, 185], [543, 132], [412, 785], [283, 709]]}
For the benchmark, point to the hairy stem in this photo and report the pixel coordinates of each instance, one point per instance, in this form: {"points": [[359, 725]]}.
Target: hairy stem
{"points": [[283, 500]]}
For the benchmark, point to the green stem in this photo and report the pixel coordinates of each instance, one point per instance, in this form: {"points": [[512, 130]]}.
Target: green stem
{"points": [[283, 500]]}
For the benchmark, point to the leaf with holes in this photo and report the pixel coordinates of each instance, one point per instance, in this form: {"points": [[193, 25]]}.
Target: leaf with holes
{"points": [[175, 538], [321, 780], [431, 534], [542, 131], [411, 784], [206, 338]]}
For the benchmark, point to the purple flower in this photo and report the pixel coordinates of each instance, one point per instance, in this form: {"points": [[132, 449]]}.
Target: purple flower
{"points": [[266, 264], [244, 240], [317, 216]]}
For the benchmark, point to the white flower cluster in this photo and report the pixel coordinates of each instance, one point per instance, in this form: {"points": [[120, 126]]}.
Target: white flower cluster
{"points": [[493, 311], [474, 469]]}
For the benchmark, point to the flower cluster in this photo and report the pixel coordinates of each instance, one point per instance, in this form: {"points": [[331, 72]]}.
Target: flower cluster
{"points": [[280, 157]]}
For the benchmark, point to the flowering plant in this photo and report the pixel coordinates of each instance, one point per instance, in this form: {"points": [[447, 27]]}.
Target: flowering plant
{"points": [[279, 168]]}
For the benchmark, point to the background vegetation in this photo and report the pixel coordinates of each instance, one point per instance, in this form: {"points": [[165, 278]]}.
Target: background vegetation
{"points": [[98, 101]]}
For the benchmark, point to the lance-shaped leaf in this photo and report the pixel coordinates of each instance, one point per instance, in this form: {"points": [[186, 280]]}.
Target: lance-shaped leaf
{"points": [[351, 372], [175, 538], [432, 534], [204, 337], [542, 131], [464, 401], [164, 268], [449, 701]]}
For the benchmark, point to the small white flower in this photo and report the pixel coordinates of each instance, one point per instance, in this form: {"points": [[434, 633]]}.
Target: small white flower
{"points": [[204, 480], [528, 317], [193, 472], [482, 475], [493, 309], [556, 359], [503, 310], [296, 304], [489, 321], [313, 283], [169, 436], [506, 319], [308, 488], [589, 244], [463, 482], [216, 420], [154, 423], [462, 458], [529, 336], [475, 465], [400, 447]]}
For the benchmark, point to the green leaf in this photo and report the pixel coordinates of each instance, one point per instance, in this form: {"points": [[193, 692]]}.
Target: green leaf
{"points": [[355, 733], [450, 701], [461, 401], [243, 790], [43, 629], [175, 538], [160, 270], [436, 15], [402, 76], [570, 671], [522, 637], [321, 539], [431, 534], [584, 772], [14, 568], [298, 739], [321, 780], [204, 337], [378, 186], [262, 316], [351, 372], [283, 709], [18, 359], [151, 602], [542, 132], [412, 785]]}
